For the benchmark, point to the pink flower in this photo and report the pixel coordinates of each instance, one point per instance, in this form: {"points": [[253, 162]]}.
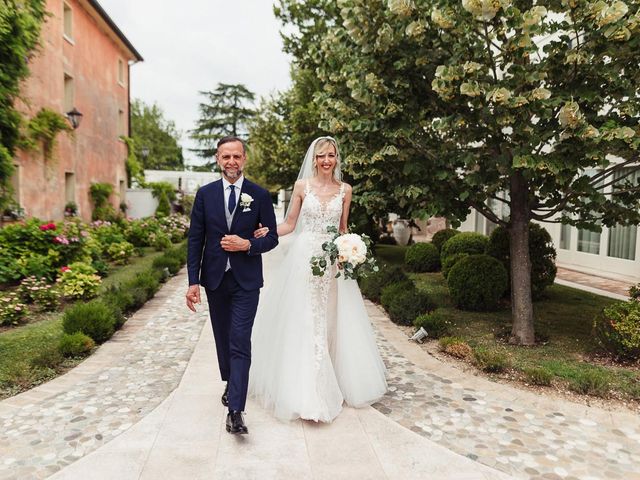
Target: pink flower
{"points": [[65, 269], [62, 240]]}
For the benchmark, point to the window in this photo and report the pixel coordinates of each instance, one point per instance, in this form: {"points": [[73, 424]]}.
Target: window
{"points": [[121, 123], [479, 226], [120, 71], [565, 237], [622, 240], [67, 19], [588, 241], [68, 93], [69, 187]]}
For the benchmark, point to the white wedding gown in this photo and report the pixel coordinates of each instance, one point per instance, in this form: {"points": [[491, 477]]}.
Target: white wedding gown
{"points": [[312, 344]]}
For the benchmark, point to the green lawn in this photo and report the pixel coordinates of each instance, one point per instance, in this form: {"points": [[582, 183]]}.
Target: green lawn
{"points": [[23, 349], [563, 321]]}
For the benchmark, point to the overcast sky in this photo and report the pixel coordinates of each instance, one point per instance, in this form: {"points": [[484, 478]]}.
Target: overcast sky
{"points": [[192, 45]]}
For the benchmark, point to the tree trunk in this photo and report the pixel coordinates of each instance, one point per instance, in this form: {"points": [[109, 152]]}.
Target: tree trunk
{"points": [[522, 332]]}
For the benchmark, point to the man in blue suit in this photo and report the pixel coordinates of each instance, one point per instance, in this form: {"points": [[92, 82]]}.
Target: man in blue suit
{"points": [[224, 257]]}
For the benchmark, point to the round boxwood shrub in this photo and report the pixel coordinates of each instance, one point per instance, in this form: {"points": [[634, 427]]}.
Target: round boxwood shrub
{"points": [[404, 302], [435, 323], [541, 252], [441, 236], [450, 261], [617, 330], [372, 285], [95, 319], [75, 345], [422, 257], [477, 282], [470, 243]]}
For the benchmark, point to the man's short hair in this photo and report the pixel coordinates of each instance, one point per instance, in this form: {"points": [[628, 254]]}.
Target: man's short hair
{"points": [[230, 139]]}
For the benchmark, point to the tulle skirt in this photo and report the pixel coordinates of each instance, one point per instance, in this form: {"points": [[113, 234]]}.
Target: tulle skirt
{"points": [[313, 347]]}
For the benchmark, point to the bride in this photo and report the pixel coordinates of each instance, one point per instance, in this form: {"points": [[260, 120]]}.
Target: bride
{"points": [[313, 347]]}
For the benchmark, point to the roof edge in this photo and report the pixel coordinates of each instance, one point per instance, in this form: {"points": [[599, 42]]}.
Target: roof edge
{"points": [[105, 16]]}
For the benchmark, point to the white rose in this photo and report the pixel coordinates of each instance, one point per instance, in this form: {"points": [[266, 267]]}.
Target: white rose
{"points": [[612, 14], [499, 95], [246, 198], [442, 18], [540, 94], [569, 115], [471, 89]]}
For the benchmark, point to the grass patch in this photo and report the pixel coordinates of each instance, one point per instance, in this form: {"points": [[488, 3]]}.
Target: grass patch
{"points": [[564, 318]]}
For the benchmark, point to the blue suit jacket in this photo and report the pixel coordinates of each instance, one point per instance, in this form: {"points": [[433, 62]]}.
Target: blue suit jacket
{"points": [[206, 260]]}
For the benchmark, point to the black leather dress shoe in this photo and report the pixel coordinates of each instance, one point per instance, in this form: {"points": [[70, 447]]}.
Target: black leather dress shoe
{"points": [[235, 423], [225, 396]]}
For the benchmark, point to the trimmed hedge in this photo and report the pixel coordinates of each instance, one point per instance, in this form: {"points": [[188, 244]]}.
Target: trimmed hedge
{"points": [[95, 319], [422, 257], [435, 323], [441, 236], [617, 330], [471, 243], [404, 302], [371, 286], [541, 252], [450, 261], [75, 345], [477, 282]]}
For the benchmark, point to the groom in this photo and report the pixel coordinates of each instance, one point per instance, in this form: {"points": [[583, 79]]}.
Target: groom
{"points": [[225, 259]]}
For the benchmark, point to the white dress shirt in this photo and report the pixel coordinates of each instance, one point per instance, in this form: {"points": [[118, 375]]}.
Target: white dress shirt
{"points": [[227, 192]]}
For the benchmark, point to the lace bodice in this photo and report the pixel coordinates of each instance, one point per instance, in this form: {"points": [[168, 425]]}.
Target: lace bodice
{"points": [[316, 216]]}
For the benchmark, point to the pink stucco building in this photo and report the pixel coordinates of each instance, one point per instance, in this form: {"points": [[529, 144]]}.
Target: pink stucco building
{"points": [[83, 63]]}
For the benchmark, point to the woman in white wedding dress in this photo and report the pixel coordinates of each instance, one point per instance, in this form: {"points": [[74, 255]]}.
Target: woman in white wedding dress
{"points": [[313, 347]]}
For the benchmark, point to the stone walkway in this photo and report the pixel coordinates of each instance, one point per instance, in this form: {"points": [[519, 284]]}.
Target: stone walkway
{"points": [[53, 425], [146, 406]]}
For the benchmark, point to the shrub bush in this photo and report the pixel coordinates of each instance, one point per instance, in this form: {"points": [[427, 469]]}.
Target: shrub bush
{"points": [[160, 241], [95, 319], [422, 257], [541, 252], [450, 261], [441, 236], [120, 252], [456, 347], [538, 376], [490, 361], [617, 330], [404, 302], [38, 291], [169, 262], [470, 243], [477, 282], [435, 323], [12, 310], [372, 285], [75, 345], [79, 281]]}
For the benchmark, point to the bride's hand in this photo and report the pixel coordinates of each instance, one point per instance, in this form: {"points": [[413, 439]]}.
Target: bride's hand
{"points": [[261, 231]]}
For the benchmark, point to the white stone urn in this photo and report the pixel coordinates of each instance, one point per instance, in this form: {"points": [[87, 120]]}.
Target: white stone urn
{"points": [[401, 231]]}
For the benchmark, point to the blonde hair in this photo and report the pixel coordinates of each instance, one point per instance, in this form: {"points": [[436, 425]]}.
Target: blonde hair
{"points": [[320, 145]]}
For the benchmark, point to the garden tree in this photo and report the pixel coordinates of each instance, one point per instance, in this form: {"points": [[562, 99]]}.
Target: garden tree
{"points": [[281, 131], [151, 130], [225, 111], [20, 24], [445, 106]]}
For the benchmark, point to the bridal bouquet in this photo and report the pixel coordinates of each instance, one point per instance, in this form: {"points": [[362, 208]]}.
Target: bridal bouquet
{"points": [[351, 252]]}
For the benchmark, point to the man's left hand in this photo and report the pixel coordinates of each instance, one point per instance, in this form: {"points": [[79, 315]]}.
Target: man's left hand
{"points": [[234, 243]]}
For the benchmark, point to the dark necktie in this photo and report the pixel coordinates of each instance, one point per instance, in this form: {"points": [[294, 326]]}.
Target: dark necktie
{"points": [[232, 199]]}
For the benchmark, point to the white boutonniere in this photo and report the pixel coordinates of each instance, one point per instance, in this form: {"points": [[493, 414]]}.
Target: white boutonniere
{"points": [[245, 202]]}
